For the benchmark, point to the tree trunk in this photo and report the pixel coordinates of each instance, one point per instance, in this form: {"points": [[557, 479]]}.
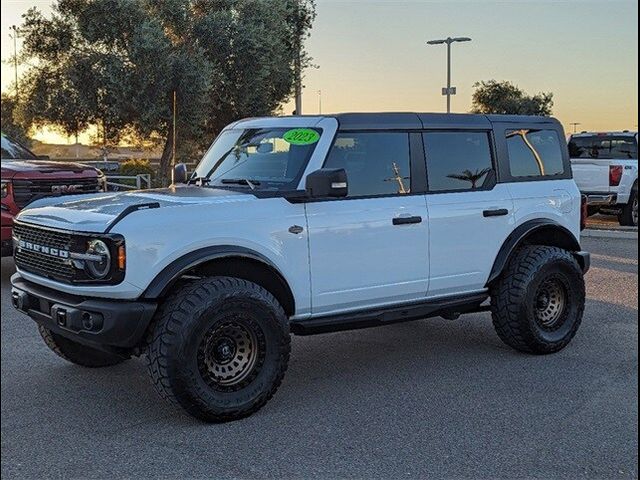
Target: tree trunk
{"points": [[164, 173]]}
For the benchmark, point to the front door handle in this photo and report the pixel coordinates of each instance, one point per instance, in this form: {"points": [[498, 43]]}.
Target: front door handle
{"points": [[498, 212], [406, 220]]}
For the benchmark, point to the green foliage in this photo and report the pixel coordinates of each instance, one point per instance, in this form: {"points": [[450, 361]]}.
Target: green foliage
{"points": [[12, 124], [506, 98], [116, 64], [136, 166]]}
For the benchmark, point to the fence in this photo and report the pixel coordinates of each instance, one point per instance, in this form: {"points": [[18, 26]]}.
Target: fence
{"points": [[142, 180]]}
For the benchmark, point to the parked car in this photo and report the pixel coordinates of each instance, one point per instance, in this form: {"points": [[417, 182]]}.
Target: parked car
{"points": [[310, 225], [26, 177], [605, 167]]}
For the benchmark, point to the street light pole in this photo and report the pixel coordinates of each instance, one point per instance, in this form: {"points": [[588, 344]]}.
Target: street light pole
{"points": [[320, 102], [575, 126], [448, 76], [15, 57], [449, 90]]}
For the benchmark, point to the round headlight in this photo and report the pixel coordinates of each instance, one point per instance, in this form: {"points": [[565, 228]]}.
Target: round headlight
{"points": [[98, 268]]}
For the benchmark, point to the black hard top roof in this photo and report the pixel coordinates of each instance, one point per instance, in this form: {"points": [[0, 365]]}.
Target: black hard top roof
{"points": [[409, 121]]}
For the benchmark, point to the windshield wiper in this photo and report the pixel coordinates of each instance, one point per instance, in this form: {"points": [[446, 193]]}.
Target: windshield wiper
{"points": [[241, 181], [200, 181]]}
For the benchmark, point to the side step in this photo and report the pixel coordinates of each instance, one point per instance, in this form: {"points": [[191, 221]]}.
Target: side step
{"points": [[447, 307]]}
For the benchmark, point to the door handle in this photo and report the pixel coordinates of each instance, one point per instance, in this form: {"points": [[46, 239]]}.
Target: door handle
{"points": [[406, 220], [498, 212]]}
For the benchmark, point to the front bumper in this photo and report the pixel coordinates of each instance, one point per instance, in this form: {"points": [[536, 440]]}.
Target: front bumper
{"points": [[6, 232], [101, 323]]}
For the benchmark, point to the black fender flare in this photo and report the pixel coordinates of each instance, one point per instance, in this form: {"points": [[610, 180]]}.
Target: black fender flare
{"points": [[169, 274], [558, 236]]}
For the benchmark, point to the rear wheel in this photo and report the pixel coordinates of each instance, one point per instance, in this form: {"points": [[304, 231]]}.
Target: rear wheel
{"points": [[629, 214], [219, 348], [76, 353], [538, 302]]}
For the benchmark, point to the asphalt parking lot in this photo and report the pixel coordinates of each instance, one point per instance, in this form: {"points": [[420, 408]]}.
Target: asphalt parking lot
{"points": [[432, 398]]}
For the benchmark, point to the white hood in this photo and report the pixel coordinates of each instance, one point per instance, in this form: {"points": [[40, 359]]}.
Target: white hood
{"points": [[97, 212]]}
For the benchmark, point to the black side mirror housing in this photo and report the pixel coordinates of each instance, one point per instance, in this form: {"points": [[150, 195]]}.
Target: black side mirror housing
{"points": [[179, 173], [327, 183]]}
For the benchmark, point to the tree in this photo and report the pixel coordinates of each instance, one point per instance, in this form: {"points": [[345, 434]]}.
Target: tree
{"points": [[469, 176], [117, 63], [12, 124], [506, 98]]}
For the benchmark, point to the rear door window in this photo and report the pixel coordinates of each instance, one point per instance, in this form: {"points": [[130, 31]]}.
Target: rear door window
{"points": [[534, 153], [457, 160]]}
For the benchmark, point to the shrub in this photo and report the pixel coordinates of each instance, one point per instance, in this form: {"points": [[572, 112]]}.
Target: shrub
{"points": [[136, 166]]}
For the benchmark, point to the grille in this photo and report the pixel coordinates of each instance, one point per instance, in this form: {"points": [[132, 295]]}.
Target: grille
{"points": [[46, 265], [25, 191]]}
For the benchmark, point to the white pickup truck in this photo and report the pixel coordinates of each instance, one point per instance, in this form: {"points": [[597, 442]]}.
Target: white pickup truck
{"points": [[605, 167]]}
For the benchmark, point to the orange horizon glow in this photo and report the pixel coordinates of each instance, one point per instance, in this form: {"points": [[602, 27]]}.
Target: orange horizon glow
{"points": [[588, 59]]}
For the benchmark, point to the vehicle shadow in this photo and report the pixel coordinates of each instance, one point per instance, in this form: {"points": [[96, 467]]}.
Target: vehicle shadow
{"points": [[338, 371]]}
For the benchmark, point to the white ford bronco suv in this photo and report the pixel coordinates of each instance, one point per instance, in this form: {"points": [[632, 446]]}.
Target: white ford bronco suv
{"points": [[305, 225], [605, 168]]}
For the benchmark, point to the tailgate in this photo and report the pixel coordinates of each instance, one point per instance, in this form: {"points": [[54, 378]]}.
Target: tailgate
{"points": [[591, 175]]}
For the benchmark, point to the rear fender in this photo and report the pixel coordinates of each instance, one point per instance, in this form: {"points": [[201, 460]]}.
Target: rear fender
{"points": [[535, 232]]}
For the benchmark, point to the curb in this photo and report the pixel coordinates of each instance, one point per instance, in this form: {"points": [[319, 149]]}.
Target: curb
{"points": [[619, 234]]}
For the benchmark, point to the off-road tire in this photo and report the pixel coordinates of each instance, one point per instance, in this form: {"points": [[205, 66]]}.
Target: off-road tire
{"points": [[515, 299], [628, 216], [183, 325], [76, 353]]}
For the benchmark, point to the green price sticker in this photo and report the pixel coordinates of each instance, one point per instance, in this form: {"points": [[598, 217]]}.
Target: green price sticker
{"points": [[301, 136]]}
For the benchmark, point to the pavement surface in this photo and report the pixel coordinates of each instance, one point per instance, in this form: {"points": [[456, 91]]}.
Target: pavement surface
{"points": [[608, 222], [432, 398]]}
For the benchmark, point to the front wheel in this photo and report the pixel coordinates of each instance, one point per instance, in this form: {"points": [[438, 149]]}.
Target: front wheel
{"points": [[219, 348], [628, 217], [538, 302]]}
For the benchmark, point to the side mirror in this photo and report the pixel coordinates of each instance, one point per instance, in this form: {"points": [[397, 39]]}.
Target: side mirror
{"points": [[327, 183], [179, 173], [265, 147]]}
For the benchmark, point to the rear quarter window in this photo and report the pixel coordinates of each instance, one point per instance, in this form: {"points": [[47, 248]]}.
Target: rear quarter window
{"points": [[534, 153]]}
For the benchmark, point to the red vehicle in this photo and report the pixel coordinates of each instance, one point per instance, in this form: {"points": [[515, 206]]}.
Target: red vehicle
{"points": [[26, 178]]}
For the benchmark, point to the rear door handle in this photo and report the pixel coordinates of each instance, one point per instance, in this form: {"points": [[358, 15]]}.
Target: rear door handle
{"points": [[406, 220], [498, 212]]}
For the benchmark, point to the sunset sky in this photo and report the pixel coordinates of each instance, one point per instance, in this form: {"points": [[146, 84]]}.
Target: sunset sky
{"points": [[372, 55]]}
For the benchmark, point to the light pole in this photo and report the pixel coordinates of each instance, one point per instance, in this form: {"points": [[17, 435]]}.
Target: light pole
{"points": [[575, 126], [320, 102], [15, 56], [449, 90]]}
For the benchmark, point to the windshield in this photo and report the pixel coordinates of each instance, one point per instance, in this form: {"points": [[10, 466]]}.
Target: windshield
{"points": [[12, 150], [264, 158], [604, 146]]}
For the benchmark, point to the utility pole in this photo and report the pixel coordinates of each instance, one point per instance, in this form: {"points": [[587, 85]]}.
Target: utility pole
{"points": [[575, 126], [15, 57], [448, 90], [173, 143], [298, 80], [320, 102]]}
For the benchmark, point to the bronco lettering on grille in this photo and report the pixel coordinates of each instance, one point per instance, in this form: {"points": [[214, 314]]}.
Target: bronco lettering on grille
{"points": [[34, 247]]}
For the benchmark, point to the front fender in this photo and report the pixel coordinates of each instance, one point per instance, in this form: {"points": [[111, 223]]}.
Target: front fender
{"points": [[175, 269]]}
